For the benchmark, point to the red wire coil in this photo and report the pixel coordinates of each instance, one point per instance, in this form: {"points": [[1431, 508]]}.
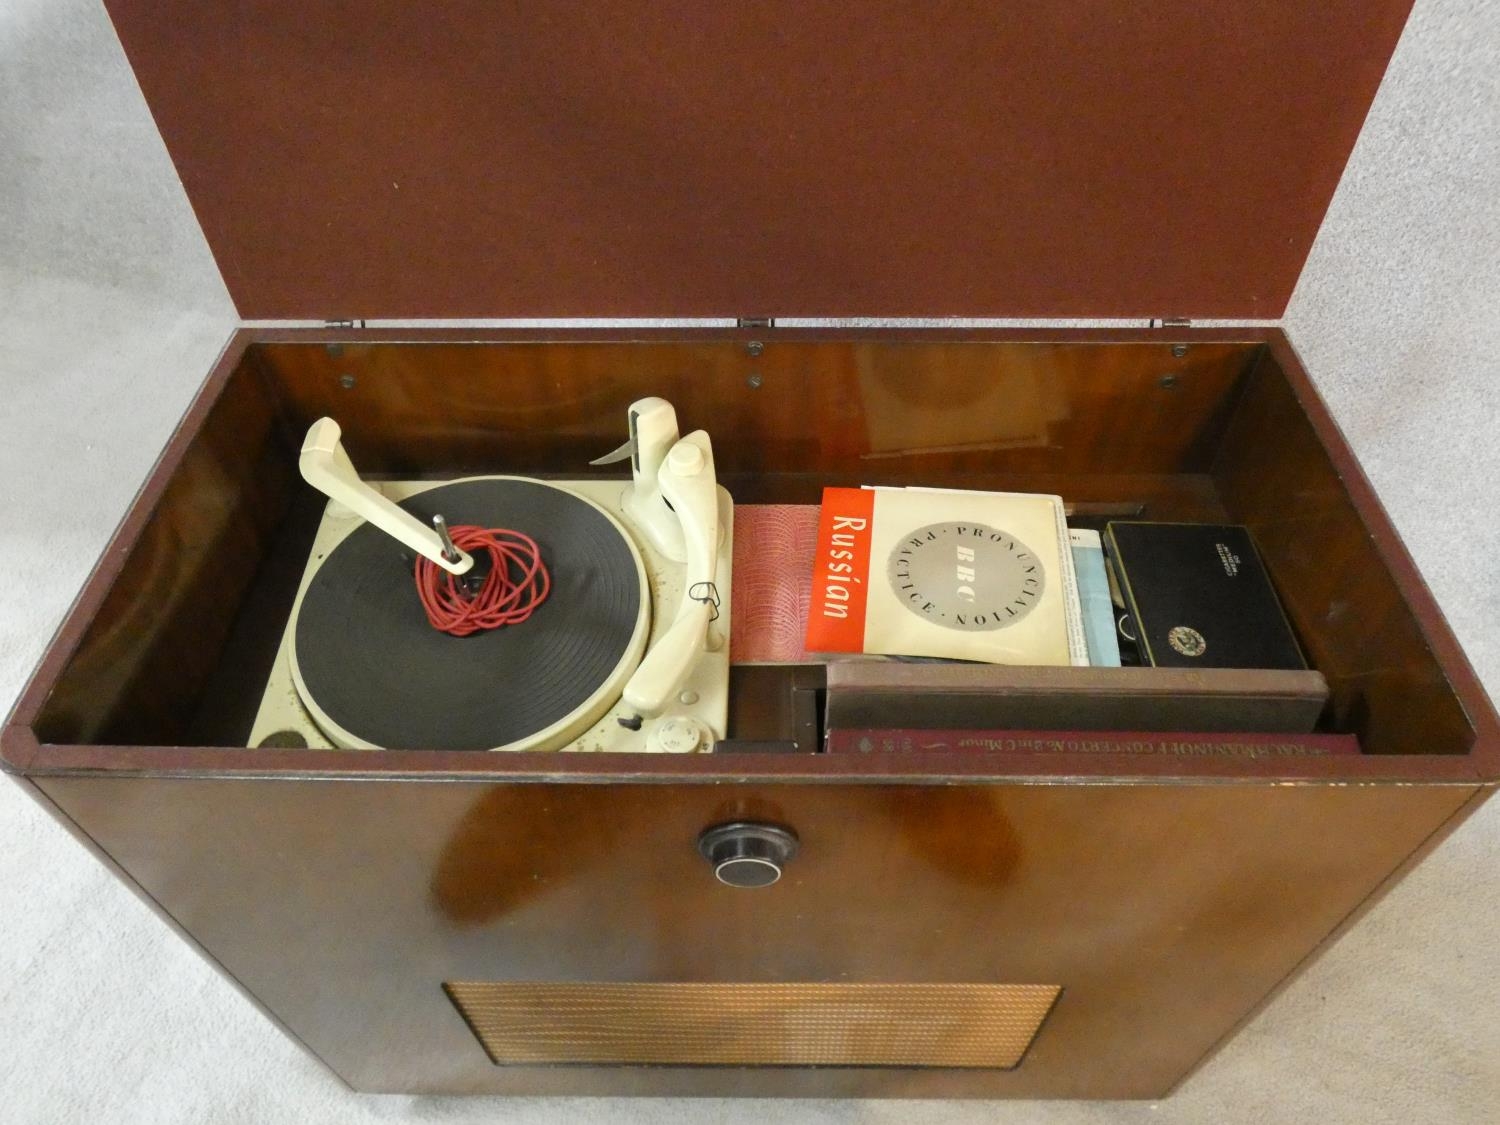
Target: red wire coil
{"points": [[516, 585]]}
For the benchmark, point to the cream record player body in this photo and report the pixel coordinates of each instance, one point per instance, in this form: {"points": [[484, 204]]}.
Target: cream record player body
{"points": [[629, 653]]}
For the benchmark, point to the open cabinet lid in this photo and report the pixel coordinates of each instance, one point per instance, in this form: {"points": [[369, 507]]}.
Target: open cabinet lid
{"points": [[476, 159]]}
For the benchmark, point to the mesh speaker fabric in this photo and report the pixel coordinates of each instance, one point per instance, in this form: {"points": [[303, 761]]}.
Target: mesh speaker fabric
{"points": [[753, 1024]]}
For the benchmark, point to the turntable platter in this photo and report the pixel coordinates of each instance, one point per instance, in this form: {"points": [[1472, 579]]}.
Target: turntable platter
{"points": [[374, 673]]}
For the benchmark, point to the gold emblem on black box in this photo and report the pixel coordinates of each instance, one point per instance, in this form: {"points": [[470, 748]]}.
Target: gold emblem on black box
{"points": [[1187, 641]]}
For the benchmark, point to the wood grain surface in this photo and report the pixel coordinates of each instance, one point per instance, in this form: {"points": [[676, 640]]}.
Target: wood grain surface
{"points": [[1165, 912], [1181, 425], [1167, 896], [681, 159]]}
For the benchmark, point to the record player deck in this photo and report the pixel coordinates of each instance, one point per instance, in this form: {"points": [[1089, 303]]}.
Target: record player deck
{"points": [[629, 651]]}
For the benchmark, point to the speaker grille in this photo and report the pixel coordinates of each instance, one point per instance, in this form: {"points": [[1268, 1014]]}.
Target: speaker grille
{"points": [[921, 1025]]}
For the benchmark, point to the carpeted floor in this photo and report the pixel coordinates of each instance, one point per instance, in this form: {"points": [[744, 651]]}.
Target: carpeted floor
{"points": [[111, 310]]}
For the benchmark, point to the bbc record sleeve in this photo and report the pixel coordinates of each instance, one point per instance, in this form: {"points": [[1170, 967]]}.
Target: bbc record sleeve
{"points": [[983, 576]]}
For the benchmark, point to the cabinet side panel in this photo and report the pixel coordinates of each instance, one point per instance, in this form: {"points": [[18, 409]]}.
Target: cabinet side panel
{"points": [[36, 792], [1276, 475], [146, 654], [1164, 912], [1427, 847]]}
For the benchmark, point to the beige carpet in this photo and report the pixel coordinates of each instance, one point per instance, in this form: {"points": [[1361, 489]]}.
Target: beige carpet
{"points": [[111, 311]]}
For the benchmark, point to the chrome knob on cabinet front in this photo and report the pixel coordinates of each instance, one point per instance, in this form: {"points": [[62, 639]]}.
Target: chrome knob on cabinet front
{"points": [[745, 854]]}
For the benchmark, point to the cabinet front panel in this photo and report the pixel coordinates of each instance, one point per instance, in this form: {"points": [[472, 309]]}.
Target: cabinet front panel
{"points": [[1160, 915]]}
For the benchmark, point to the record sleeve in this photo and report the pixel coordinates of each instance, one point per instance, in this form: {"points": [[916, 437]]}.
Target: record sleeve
{"points": [[981, 576]]}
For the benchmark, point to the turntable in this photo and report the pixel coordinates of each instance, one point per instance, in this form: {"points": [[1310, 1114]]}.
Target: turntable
{"points": [[625, 646]]}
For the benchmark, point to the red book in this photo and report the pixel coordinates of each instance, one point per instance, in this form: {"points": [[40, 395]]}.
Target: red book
{"points": [[871, 741]]}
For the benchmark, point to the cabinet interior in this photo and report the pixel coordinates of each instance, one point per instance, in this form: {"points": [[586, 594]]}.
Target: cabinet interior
{"points": [[1214, 430]]}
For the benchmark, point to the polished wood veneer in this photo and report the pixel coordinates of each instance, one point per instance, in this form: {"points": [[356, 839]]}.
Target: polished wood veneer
{"points": [[1167, 898], [688, 159]]}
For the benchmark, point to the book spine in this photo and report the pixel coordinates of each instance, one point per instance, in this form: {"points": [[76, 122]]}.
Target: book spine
{"points": [[886, 739], [1078, 645]]}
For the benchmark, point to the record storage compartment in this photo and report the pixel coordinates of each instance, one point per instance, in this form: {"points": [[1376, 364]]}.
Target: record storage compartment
{"points": [[355, 894]]}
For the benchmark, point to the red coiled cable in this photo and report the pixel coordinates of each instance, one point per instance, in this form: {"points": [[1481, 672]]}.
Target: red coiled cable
{"points": [[517, 583]]}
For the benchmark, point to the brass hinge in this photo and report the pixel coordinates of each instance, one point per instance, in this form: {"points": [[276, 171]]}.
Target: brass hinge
{"points": [[1172, 322], [343, 324], [756, 322]]}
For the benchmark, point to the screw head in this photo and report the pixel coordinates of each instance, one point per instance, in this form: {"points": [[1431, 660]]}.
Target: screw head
{"points": [[754, 380], [1168, 382], [346, 381], [755, 347], [1179, 350]]}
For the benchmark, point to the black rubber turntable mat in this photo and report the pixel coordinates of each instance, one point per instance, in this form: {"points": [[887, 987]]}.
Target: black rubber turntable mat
{"points": [[375, 666]]}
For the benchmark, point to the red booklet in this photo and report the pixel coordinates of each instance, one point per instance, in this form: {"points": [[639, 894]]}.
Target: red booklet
{"points": [[856, 741]]}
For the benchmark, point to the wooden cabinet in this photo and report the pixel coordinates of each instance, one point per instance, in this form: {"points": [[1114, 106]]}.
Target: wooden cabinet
{"points": [[1165, 899], [1094, 924]]}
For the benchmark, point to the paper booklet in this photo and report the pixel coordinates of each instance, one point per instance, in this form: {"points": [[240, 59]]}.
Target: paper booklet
{"points": [[984, 576], [1094, 598]]}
